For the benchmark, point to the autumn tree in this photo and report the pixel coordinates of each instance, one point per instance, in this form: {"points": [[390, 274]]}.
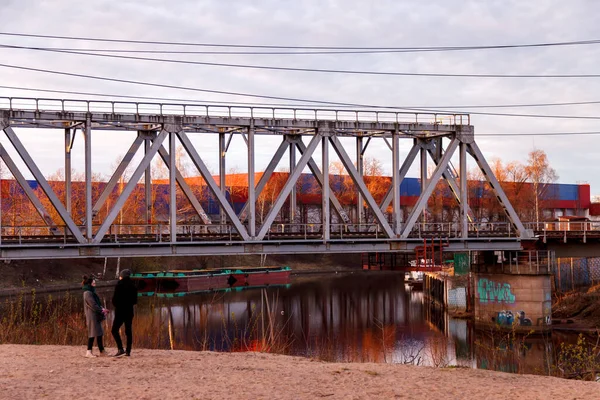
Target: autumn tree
{"points": [[541, 175]]}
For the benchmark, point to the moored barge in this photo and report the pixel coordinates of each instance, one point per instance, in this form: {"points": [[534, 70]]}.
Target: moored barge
{"points": [[210, 279]]}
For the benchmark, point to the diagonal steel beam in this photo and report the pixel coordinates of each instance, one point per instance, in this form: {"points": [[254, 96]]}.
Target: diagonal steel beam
{"points": [[114, 179], [360, 184], [450, 177], [266, 175], [130, 186], [14, 170], [185, 188], [37, 174], [216, 190], [410, 157], [426, 193], [285, 191], [314, 168], [497, 189]]}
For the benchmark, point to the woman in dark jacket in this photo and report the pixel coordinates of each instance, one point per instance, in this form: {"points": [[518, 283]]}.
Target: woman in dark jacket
{"points": [[94, 315]]}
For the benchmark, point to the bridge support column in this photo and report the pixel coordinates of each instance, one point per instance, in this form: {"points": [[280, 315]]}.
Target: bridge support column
{"points": [[172, 188], [396, 183], [360, 169], [68, 147], [251, 186], [222, 175], [325, 189], [88, 178], [292, 210], [148, 189], [464, 207]]}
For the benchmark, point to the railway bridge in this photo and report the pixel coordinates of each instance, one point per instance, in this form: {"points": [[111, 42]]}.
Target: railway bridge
{"points": [[305, 136]]}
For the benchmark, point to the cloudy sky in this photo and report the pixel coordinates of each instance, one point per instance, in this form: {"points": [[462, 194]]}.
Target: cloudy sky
{"points": [[334, 23]]}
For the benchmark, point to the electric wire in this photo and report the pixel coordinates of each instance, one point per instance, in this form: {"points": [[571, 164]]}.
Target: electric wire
{"points": [[316, 70], [331, 103], [227, 45], [188, 100], [250, 104]]}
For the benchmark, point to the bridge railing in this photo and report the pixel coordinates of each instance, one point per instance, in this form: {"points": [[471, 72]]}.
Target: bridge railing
{"points": [[286, 231], [232, 111], [564, 229]]}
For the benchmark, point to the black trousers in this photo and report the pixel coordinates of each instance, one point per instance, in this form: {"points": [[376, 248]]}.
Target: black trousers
{"points": [[119, 320], [98, 340]]}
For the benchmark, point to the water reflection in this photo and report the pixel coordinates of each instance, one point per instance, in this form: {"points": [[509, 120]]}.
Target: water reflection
{"points": [[359, 317]]}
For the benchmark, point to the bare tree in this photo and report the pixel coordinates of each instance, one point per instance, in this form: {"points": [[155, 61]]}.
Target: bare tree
{"points": [[541, 174]]}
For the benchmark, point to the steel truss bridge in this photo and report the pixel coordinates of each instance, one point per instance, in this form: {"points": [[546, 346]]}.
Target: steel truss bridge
{"points": [[435, 138]]}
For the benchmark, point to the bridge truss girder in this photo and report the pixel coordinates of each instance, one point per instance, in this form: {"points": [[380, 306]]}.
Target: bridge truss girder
{"points": [[153, 130]]}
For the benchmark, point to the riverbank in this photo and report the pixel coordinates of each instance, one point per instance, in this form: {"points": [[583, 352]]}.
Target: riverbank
{"points": [[57, 372]]}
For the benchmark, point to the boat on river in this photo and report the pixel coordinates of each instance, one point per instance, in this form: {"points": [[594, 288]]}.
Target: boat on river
{"points": [[198, 280]]}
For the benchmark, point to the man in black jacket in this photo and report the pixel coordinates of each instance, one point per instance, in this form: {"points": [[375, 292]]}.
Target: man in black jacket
{"points": [[123, 300]]}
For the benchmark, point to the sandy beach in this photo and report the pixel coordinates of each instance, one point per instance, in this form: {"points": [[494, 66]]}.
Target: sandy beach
{"points": [[61, 372]]}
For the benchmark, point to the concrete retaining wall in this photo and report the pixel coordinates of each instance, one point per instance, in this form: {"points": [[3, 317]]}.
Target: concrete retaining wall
{"points": [[522, 301]]}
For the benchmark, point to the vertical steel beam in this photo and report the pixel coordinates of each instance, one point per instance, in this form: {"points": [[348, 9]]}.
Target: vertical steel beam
{"points": [[464, 222], [37, 174], [497, 189], [189, 147], [423, 167], [316, 171], [292, 210], [68, 189], [148, 188], [360, 184], [285, 191], [251, 186], [185, 188], [360, 169], [426, 192], [325, 190], [222, 175], [130, 186], [410, 157], [396, 222], [88, 178], [172, 188], [266, 175], [114, 179]]}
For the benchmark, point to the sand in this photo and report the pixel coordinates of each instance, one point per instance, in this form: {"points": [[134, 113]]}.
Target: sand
{"points": [[61, 372]]}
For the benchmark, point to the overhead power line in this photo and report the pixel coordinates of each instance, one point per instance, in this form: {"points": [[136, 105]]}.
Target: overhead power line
{"points": [[295, 69], [320, 102], [407, 107], [311, 47], [271, 104]]}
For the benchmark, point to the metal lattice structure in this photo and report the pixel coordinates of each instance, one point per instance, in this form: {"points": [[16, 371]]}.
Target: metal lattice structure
{"points": [[159, 127]]}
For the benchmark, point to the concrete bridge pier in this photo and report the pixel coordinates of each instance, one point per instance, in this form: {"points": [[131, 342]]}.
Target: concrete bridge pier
{"points": [[510, 290]]}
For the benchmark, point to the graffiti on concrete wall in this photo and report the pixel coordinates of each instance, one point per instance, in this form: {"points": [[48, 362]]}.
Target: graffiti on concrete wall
{"points": [[507, 318], [492, 292]]}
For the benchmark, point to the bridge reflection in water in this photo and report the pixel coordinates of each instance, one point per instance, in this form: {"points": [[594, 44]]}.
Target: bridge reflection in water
{"points": [[352, 317]]}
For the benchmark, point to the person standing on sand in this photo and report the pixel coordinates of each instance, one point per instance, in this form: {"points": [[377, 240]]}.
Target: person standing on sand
{"points": [[94, 315], [123, 300]]}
